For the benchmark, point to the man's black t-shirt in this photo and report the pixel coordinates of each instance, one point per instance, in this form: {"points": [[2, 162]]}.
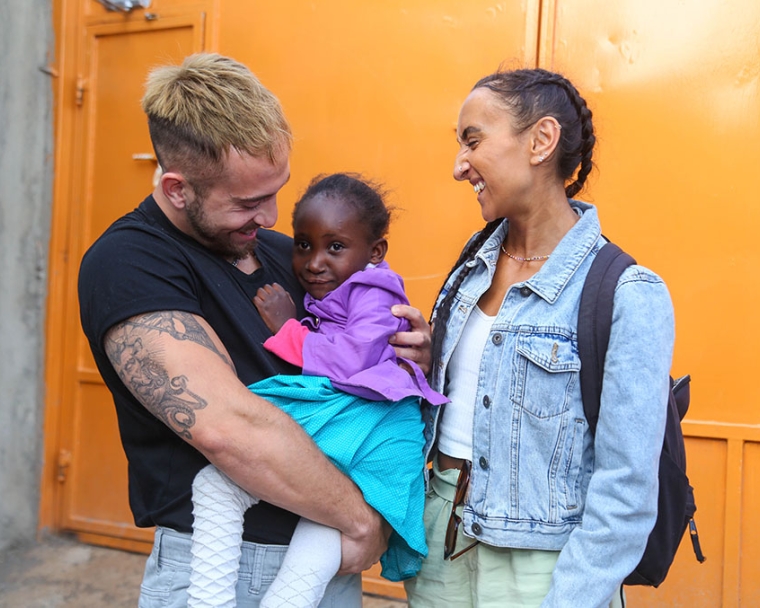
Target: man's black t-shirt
{"points": [[143, 264]]}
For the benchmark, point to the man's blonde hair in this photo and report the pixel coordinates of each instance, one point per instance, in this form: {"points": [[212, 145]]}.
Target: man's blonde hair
{"points": [[200, 110]]}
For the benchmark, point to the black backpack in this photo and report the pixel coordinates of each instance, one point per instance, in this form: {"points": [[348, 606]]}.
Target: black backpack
{"points": [[675, 504]]}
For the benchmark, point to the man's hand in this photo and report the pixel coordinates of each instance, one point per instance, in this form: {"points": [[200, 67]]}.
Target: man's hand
{"points": [[275, 306], [414, 344], [362, 550]]}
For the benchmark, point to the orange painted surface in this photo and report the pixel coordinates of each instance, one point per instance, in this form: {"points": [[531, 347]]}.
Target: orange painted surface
{"points": [[677, 100], [749, 543], [675, 91], [104, 60], [376, 87]]}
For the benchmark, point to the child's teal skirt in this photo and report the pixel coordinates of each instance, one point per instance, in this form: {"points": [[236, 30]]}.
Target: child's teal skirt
{"points": [[378, 444]]}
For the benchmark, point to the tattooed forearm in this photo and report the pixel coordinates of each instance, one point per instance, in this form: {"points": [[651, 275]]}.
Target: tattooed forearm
{"points": [[168, 399]]}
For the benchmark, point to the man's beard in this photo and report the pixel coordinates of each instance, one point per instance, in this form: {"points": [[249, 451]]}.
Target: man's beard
{"points": [[209, 238]]}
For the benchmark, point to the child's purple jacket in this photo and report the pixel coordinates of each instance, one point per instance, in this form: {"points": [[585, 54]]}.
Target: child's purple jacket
{"points": [[348, 342]]}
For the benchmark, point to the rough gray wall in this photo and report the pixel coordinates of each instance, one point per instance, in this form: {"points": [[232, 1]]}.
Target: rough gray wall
{"points": [[26, 174]]}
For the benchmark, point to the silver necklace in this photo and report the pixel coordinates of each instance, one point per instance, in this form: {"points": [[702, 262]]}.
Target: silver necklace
{"points": [[534, 258]]}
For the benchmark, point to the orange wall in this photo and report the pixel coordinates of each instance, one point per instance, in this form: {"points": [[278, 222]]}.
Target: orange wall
{"points": [[675, 88], [376, 87]]}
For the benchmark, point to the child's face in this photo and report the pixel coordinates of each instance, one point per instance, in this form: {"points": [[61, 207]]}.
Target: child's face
{"points": [[330, 244]]}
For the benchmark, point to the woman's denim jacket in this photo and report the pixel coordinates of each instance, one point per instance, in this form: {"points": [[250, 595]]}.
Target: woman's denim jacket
{"points": [[540, 480]]}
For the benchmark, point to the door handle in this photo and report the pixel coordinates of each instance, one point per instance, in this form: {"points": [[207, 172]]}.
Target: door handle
{"points": [[150, 157], [124, 5]]}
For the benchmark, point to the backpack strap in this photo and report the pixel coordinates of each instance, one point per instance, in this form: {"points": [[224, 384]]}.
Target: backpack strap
{"points": [[595, 321]]}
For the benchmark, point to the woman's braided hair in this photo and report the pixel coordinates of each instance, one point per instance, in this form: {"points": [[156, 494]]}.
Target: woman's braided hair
{"points": [[528, 95]]}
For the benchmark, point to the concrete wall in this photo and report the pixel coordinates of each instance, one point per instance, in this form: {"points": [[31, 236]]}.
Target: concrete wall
{"points": [[26, 174]]}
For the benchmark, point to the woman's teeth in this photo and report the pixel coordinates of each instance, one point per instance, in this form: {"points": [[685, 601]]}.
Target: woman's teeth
{"points": [[479, 187]]}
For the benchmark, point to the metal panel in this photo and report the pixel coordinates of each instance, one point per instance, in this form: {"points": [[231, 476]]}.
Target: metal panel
{"points": [[376, 87], [674, 90], [89, 488]]}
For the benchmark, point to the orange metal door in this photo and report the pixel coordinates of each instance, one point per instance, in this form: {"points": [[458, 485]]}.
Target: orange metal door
{"points": [[375, 87], [675, 90], [113, 151]]}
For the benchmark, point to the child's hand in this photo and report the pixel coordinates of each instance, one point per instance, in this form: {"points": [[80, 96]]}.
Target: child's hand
{"points": [[275, 306]]}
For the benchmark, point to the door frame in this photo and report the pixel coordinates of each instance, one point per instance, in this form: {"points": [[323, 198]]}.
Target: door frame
{"points": [[77, 25]]}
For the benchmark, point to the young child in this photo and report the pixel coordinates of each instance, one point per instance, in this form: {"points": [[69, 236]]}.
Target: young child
{"points": [[354, 398]]}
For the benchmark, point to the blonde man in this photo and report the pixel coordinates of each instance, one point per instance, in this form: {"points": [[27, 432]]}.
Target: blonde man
{"points": [[166, 303]]}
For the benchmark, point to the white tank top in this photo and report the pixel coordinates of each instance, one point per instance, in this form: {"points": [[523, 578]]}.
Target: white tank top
{"points": [[455, 427]]}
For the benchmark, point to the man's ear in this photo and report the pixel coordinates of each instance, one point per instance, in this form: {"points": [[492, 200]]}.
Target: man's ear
{"points": [[379, 249], [545, 134], [174, 187]]}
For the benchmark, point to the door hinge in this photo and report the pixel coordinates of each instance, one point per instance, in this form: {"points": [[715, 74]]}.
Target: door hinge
{"points": [[64, 461], [81, 87]]}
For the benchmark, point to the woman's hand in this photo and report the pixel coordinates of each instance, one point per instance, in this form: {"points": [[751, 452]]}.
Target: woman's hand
{"points": [[414, 344], [275, 306]]}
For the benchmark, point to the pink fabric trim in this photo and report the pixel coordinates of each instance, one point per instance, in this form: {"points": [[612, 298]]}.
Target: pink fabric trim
{"points": [[287, 343]]}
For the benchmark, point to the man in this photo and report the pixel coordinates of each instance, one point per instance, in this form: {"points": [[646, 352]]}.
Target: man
{"points": [[166, 303]]}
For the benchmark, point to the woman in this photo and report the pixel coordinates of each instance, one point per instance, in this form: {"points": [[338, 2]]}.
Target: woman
{"points": [[549, 516]]}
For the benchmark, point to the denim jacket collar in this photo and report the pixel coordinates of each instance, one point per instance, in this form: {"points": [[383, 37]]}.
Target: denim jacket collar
{"points": [[569, 254]]}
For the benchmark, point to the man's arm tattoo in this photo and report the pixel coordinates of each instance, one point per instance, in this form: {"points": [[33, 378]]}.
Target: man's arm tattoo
{"points": [[180, 326], [167, 398]]}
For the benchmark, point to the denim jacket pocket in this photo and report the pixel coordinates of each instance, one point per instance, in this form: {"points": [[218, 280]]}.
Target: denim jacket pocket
{"points": [[547, 366]]}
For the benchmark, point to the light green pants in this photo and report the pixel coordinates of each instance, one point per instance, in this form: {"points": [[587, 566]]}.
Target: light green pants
{"points": [[485, 576]]}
